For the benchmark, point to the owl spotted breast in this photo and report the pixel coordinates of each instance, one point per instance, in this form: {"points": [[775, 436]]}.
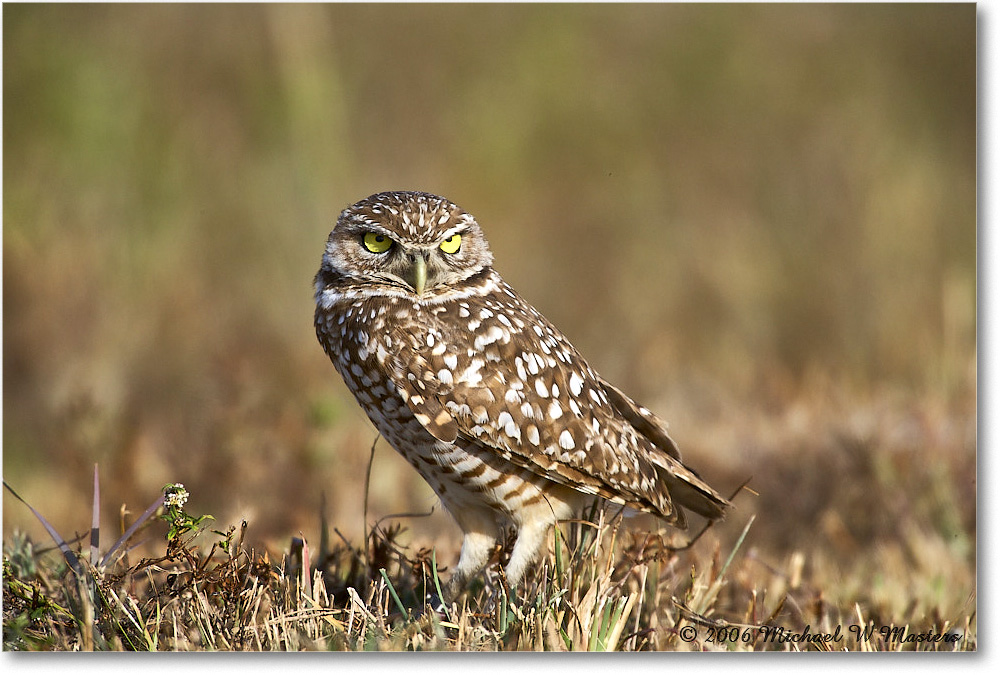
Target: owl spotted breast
{"points": [[490, 403]]}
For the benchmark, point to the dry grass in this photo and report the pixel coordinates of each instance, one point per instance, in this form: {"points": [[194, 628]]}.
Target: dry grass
{"points": [[602, 590]]}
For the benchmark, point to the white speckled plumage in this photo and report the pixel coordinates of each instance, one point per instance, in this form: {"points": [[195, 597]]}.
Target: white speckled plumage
{"points": [[478, 391]]}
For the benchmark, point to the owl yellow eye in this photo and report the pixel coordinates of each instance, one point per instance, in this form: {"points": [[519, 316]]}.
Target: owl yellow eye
{"points": [[452, 244], [377, 243]]}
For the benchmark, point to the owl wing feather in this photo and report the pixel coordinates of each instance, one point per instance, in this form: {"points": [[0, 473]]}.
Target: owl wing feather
{"points": [[422, 396], [684, 484], [534, 400]]}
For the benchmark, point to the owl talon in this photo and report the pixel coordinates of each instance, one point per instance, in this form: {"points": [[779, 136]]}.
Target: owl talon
{"points": [[435, 603]]}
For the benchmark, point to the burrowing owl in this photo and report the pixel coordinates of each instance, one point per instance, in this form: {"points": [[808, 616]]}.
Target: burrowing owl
{"points": [[478, 391]]}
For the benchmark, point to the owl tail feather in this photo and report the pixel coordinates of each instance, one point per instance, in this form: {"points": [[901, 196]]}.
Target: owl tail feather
{"points": [[689, 491]]}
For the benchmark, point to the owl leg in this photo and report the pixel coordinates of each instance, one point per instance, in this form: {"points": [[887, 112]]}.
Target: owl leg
{"points": [[530, 539], [481, 533]]}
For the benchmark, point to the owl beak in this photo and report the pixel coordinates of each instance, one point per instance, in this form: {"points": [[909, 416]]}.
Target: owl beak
{"points": [[419, 273]]}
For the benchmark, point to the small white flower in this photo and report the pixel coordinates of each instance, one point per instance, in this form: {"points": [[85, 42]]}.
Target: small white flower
{"points": [[175, 496]]}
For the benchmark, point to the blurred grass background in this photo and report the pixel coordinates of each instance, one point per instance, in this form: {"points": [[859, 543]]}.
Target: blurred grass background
{"points": [[758, 220]]}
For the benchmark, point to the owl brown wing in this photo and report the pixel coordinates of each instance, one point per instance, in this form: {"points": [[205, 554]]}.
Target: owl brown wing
{"points": [[520, 388], [685, 486]]}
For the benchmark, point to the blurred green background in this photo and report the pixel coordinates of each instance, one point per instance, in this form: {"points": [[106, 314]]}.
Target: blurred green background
{"points": [[727, 209]]}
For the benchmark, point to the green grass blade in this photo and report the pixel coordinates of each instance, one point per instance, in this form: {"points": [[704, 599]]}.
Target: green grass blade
{"points": [[739, 542], [565, 638], [392, 592], [437, 584]]}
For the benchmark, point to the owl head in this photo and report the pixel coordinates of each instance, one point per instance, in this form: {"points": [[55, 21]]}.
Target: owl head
{"points": [[404, 243]]}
